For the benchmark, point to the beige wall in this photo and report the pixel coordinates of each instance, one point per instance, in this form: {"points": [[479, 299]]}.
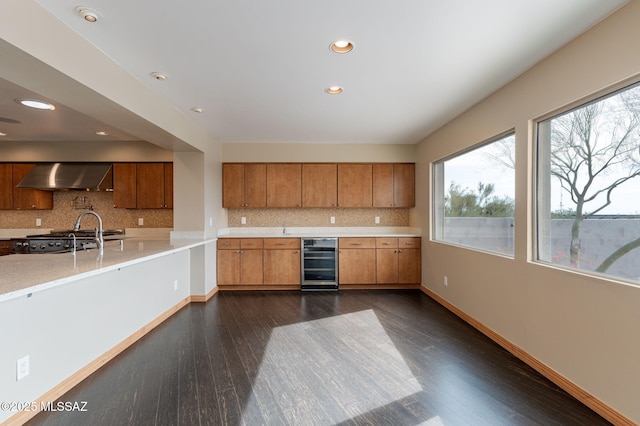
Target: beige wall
{"points": [[584, 328], [309, 153]]}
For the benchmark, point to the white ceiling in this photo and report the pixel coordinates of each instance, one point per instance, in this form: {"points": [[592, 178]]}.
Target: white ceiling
{"points": [[259, 69]]}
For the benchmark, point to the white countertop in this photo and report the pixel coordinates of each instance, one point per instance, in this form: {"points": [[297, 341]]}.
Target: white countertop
{"points": [[335, 231], [21, 274]]}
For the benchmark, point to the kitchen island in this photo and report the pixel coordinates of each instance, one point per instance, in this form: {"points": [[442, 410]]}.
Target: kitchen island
{"points": [[68, 315]]}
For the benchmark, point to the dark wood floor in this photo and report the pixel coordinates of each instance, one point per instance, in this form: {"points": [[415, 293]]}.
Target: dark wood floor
{"points": [[291, 358]]}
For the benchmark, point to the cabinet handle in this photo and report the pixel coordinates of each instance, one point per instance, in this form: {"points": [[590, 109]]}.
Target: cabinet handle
{"points": [[356, 244], [281, 244], [409, 243], [399, 251], [386, 244]]}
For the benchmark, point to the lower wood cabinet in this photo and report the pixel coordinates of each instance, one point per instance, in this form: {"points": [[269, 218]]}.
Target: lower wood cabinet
{"points": [[282, 261], [398, 261], [275, 262], [240, 261], [357, 260], [258, 261]]}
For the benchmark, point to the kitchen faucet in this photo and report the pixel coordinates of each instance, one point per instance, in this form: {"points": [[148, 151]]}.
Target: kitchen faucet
{"points": [[99, 238]]}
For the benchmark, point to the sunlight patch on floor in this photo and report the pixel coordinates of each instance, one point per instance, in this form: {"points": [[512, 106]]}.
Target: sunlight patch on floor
{"points": [[299, 367]]}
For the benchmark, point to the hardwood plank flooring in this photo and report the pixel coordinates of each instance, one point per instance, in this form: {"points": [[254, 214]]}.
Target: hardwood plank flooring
{"points": [[318, 358]]}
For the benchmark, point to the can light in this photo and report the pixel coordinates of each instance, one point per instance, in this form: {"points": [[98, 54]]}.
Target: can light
{"points": [[341, 46], [334, 90], [87, 14], [36, 103]]}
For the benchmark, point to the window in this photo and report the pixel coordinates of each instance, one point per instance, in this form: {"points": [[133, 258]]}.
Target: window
{"points": [[588, 187], [474, 196]]}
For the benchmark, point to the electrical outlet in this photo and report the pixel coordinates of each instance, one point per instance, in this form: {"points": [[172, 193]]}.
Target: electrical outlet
{"points": [[22, 368], [333, 219], [446, 281], [140, 221], [175, 285], [377, 220], [243, 220], [210, 221], [38, 222]]}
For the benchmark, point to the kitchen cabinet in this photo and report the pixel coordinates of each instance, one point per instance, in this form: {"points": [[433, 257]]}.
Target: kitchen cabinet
{"points": [[355, 185], [124, 186], [6, 186], [29, 199], [143, 185], [240, 261], [398, 261], [357, 260], [319, 185], [284, 185], [393, 185], [282, 261], [6, 247], [244, 185], [154, 185]]}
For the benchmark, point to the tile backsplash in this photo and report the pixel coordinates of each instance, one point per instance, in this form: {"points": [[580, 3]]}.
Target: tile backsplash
{"points": [[318, 217], [67, 205]]}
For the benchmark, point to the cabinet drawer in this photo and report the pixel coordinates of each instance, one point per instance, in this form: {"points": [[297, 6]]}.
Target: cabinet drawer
{"points": [[228, 244], [281, 243], [387, 243], [412, 242], [346, 243], [251, 243]]}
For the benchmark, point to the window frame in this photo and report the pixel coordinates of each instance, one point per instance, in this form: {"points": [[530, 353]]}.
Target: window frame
{"points": [[438, 195], [535, 198]]}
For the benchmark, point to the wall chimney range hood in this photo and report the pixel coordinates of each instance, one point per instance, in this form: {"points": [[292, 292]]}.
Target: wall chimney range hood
{"points": [[67, 176]]}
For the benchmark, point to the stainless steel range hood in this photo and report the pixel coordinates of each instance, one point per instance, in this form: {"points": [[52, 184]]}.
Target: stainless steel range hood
{"points": [[66, 176]]}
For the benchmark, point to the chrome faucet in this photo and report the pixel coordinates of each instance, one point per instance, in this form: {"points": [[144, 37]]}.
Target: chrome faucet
{"points": [[99, 238]]}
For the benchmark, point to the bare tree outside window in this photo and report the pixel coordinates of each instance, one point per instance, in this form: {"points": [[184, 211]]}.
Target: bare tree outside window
{"points": [[592, 159]]}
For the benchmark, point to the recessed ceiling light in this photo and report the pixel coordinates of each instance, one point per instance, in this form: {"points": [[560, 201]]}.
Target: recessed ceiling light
{"points": [[334, 90], [102, 133], [87, 14], [36, 103], [341, 46], [159, 76], [197, 109]]}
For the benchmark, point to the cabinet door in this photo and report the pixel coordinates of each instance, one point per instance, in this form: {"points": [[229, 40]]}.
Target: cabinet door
{"points": [[387, 266], [404, 185], [355, 185], [409, 270], [251, 267], [232, 185], [150, 185], [284, 185], [6, 186], [168, 185], [29, 199], [383, 185], [319, 185], [255, 185], [282, 266], [228, 267], [124, 186], [357, 265]]}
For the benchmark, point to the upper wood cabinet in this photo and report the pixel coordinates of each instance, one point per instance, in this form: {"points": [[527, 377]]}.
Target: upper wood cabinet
{"points": [[313, 185], [124, 186], [355, 183], [6, 186], [284, 185], [319, 185], [143, 185], [394, 185], [28, 199], [154, 185], [244, 185]]}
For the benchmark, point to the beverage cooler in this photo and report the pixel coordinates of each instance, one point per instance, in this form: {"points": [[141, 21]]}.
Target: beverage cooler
{"points": [[319, 264]]}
